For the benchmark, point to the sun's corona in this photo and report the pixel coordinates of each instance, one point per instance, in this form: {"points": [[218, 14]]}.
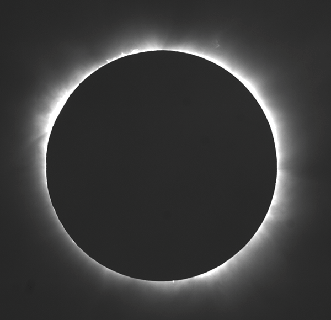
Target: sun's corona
{"points": [[56, 100]]}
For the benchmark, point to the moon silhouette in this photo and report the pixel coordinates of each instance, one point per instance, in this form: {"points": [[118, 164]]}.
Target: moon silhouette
{"points": [[161, 168]]}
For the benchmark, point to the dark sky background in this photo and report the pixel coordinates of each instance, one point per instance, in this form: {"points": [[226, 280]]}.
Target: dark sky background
{"points": [[285, 45]]}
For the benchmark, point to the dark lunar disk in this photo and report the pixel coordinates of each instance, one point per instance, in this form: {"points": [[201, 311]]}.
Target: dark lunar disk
{"points": [[161, 166]]}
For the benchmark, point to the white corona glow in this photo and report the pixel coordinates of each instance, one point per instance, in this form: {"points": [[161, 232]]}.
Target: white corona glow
{"points": [[45, 120]]}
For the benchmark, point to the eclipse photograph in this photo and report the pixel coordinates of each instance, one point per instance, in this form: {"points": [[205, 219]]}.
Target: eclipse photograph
{"points": [[165, 161]]}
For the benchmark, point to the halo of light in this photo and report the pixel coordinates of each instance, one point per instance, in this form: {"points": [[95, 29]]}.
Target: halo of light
{"points": [[245, 259]]}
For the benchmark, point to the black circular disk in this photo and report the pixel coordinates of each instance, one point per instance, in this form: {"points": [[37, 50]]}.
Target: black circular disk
{"points": [[161, 165]]}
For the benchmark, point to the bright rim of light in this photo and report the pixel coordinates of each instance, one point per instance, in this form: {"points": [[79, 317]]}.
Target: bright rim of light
{"points": [[45, 120]]}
